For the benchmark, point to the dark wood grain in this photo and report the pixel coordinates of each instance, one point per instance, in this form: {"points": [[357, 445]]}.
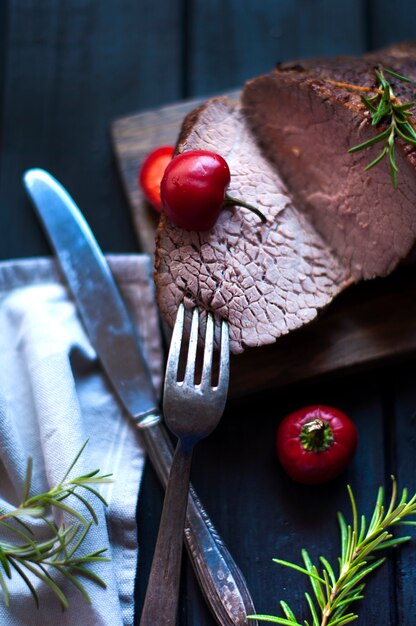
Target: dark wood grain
{"points": [[71, 67], [401, 433], [370, 322], [230, 42], [392, 22]]}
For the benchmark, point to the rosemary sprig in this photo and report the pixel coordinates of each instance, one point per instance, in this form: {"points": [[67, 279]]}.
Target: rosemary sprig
{"points": [[60, 553], [333, 593], [385, 107]]}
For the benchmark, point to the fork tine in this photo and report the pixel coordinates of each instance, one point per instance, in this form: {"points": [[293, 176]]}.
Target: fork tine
{"points": [[224, 357], [192, 349], [206, 378], [171, 374]]}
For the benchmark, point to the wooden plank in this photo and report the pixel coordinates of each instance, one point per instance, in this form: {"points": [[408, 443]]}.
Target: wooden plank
{"points": [[71, 67], [373, 321], [401, 432], [230, 42], [391, 22], [3, 48]]}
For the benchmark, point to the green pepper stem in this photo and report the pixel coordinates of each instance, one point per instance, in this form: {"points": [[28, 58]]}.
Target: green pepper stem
{"points": [[229, 200], [316, 435]]}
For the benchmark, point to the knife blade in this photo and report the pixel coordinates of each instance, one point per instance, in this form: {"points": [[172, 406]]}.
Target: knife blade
{"points": [[111, 332]]}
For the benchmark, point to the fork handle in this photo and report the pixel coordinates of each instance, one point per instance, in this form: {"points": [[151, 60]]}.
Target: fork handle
{"points": [[161, 601], [219, 577]]}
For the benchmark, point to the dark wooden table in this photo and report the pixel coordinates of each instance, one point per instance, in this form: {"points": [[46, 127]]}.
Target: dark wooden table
{"points": [[67, 69]]}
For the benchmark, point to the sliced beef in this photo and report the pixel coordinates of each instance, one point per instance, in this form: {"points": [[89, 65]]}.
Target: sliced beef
{"points": [[336, 224], [264, 279], [305, 119]]}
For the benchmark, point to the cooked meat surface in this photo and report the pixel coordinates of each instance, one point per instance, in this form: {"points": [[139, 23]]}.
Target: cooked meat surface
{"points": [[306, 118], [329, 222], [265, 279]]}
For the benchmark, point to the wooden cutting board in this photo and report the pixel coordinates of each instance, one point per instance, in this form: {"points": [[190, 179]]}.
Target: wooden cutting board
{"points": [[365, 325]]}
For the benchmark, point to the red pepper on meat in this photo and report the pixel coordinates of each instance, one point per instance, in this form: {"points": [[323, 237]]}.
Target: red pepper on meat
{"points": [[314, 444], [193, 190]]}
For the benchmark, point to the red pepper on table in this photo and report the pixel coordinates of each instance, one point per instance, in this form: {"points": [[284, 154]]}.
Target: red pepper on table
{"points": [[314, 444], [151, 173]]}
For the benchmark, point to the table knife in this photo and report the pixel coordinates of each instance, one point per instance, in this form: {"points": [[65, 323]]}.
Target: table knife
{"points": [[113, 336]]}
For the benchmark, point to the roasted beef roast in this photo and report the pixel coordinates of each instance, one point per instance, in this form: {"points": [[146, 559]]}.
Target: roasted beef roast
{"points": [[329, 222]]}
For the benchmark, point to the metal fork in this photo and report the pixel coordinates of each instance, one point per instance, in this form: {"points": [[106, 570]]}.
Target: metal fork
{"points": [[192, 411]]}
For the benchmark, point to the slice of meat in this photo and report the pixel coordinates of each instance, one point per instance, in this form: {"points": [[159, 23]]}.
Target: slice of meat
{"points": [[265, 279], [305, 118]]}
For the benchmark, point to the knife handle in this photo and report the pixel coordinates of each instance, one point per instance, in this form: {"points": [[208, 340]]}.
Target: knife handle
{"points": [[220, 579]]}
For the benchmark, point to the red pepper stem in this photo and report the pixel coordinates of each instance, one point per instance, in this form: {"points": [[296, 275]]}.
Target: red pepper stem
{"points": [[316, 435], [229, 200]]}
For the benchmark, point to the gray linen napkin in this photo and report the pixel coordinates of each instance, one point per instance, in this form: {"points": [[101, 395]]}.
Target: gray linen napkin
{"points": [[53, 397]]}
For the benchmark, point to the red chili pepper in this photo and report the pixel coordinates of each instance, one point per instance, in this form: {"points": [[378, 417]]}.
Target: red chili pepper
{"points": [[151, 173], [193, 190], [314, 444]]}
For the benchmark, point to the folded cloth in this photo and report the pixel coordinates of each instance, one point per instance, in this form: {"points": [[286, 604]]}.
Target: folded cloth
{"points": [[53, 397]]}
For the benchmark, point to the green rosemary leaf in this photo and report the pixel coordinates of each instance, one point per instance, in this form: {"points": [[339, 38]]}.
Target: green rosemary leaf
{"points": [[350, 543], [368, 102], [274, 620], [92, 477], [393, 168], [402, 108], [74, 580], [34, 511], [328, 568], [90, 558], [362, 528], [407, 138], [74, 462], [392, 543], [344, 538], [288, 612], [314, 579], [48, 580], [405, 495], [299, 569], [396, 75], [378, 511], [343, 603], [28, 479], [81, 538], [24, 525], [89, 574], [5, 564], [370, 142], [354, 509], [27, 580], [5, 589], [72, 512], [87, 505], [95, 492], [312, 609], [22, 535], [381, 112], [346, 619]]}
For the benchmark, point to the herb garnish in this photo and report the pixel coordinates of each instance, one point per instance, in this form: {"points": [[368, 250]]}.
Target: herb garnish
{"points": [[384, 106], [58, 553], [334, 593]]}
